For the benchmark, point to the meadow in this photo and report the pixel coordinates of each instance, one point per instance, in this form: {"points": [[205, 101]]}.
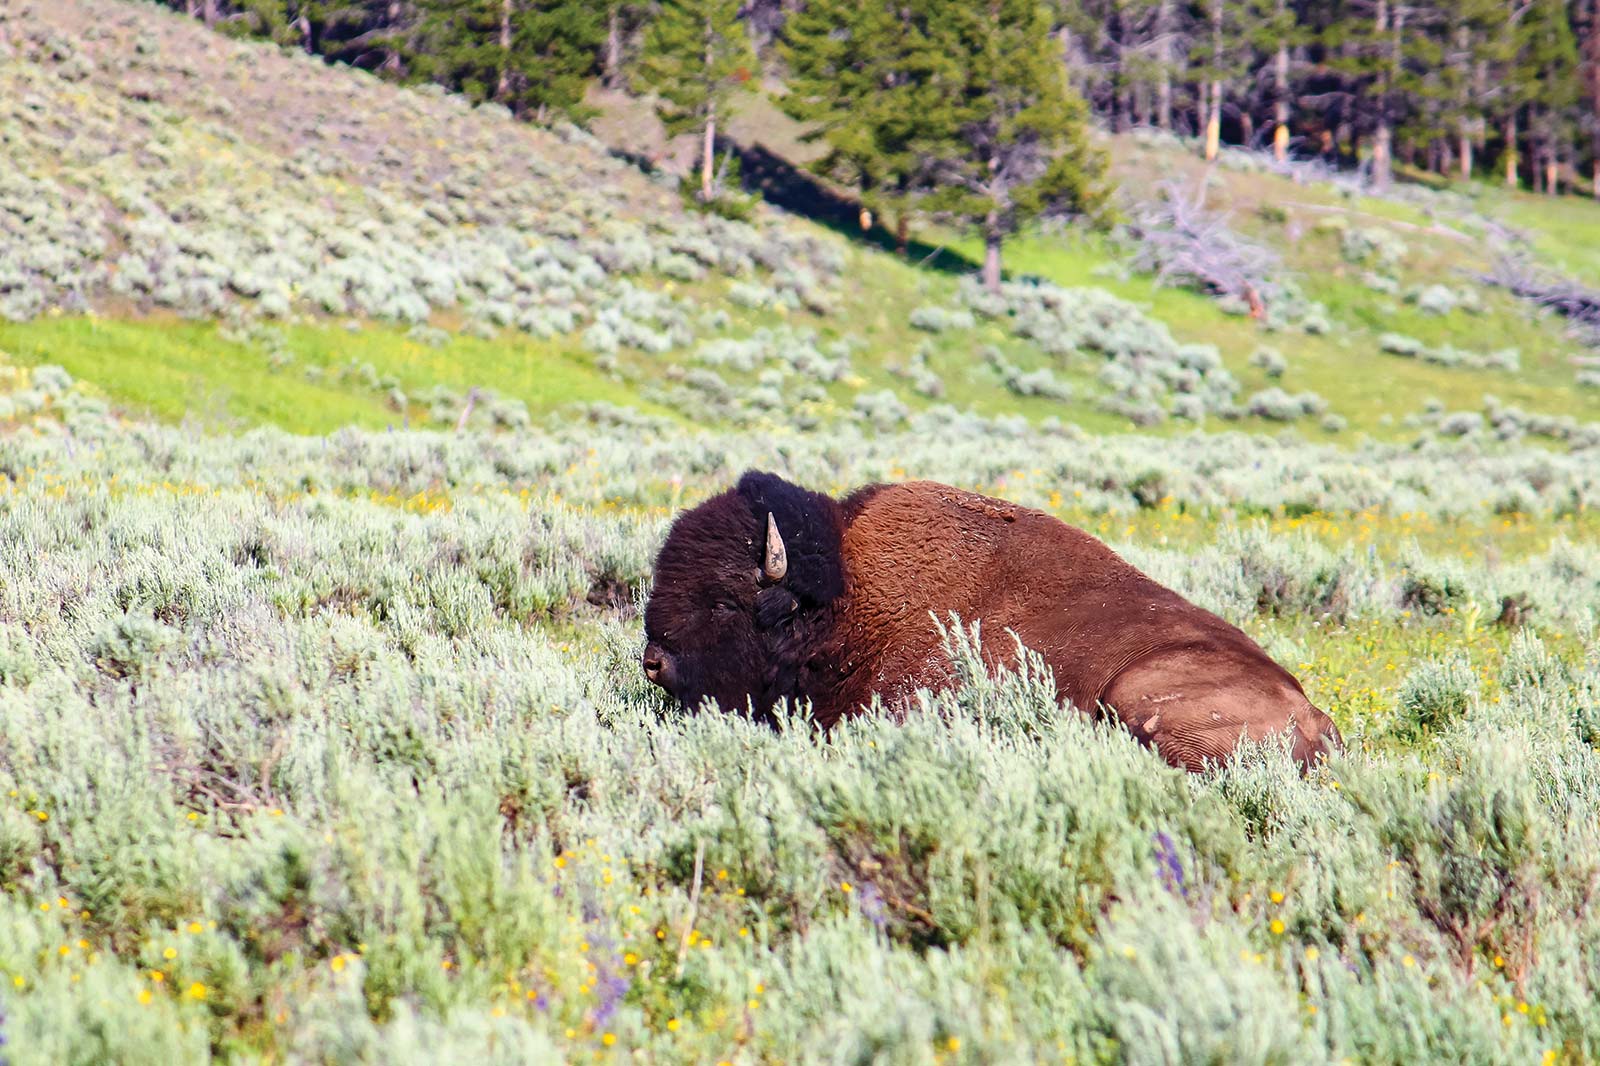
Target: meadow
{"points": [[339, 426], [336, 749]]}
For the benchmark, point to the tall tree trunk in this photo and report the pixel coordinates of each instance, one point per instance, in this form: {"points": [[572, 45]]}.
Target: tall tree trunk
{"points": [[1383, 136], [1214, 119], [1280, 104], [1382, 153], [1464, 122], [902, 233], [1115, 31], [611, 66], [209, 12], [502, 89], [391, 59], [1591, 52], [992, 239], [1511, 150], [1164, 65], [708, 158], [1214, 123]]}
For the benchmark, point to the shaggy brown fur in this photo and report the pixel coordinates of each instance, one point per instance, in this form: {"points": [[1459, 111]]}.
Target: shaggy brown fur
{"points": [[852, 617]]}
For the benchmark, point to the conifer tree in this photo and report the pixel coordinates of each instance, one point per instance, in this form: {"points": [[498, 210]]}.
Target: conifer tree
{"points": [[556, 46], [1218, 64], [856, 77], [623, 18], [1461, 86], [533, 56], [1377, 45], [1135, 45], [696, 55], [460, 43], [1004, 140], [1547, 64], [1274, 32], [1588, 28]]}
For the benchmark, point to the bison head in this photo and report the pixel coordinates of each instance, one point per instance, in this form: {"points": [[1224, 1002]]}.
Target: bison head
{"points": [[741, 586]]}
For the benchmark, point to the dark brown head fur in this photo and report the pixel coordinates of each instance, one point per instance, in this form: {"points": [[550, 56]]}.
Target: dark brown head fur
{"points": [[714, 626], [852, 618]]}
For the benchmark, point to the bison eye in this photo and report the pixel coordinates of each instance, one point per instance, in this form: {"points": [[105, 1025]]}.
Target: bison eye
{"points": [[725, 607]]}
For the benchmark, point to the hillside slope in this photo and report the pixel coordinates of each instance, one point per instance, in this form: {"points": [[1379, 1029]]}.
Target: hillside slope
{"points": [[345, 251]]}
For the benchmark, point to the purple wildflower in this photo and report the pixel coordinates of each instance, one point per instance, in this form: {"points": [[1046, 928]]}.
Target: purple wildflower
{"points": [[1168, 866], [611, 987], [871, 904]]}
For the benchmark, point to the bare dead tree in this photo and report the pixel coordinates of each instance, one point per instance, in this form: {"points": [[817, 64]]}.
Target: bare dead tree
{"points": [[1182, 243]]}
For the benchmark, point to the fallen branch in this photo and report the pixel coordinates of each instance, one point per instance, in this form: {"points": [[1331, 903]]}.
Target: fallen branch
{"points": [[1573, 301]]}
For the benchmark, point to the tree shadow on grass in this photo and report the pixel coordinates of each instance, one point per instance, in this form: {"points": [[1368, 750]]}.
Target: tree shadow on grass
{"points": [[782, 184]]}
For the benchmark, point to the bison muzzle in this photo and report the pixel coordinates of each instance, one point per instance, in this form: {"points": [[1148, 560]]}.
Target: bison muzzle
{"points": [[770, 591]]}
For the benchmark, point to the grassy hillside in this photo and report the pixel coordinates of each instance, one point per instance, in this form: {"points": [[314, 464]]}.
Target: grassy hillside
{"points": [[339, 426], [328, 224]]}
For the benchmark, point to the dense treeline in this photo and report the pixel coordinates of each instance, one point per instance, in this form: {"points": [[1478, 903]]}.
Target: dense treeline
{"points": [[1453, 86], [1510, 87]]}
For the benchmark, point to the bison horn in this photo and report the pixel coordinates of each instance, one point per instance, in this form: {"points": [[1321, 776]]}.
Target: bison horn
{"points": [[776, 562]]}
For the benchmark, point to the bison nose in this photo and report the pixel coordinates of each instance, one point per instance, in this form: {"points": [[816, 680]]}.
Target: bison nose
{"points": [[658, 667]]}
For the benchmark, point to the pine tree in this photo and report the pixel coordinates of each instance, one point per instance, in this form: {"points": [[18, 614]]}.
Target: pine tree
{"points": [[1588, 27], [1273, 31], [1126, 54], [1546, 68], [623, 20], [1461, 84], [696, 56], [856, 77], [1005, 140], [555, 47], [1217, 65], [532, 56], [1376, 45]]}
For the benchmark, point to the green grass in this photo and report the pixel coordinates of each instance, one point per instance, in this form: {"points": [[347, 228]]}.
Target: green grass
{"points": [[174, 369], [1370, 388]]}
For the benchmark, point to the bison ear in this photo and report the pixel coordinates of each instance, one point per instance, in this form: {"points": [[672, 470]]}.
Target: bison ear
{"points": [[810, 526]]}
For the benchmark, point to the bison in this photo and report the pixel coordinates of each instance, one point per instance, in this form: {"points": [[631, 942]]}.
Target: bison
{"points": [[770, 591]]}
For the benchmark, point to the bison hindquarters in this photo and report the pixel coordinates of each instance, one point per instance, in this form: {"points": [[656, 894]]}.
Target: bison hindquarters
{"points": [[1193, 708]]}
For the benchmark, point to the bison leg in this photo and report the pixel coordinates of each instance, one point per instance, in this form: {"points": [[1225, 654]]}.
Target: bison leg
{"points": [[1194, 711]]}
